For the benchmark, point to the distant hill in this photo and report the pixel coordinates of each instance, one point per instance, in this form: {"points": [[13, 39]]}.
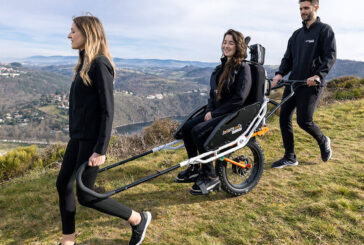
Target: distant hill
{"points": [[160, 63], [341, 68], [25, 89], [133, 109], [64, 60], [347, 68], [150, 80], [201, 75], [147, 82], [29, 85], [182, 84], [190, 68]]}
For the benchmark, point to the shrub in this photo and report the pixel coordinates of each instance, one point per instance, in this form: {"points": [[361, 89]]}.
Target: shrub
{"points": [[21, 159], [17, 161], [344, 88], [158, 133], [336, 82], [52, 153]]}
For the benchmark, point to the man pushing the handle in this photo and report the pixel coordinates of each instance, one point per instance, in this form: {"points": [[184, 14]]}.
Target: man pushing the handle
{"points": [[310, 54]]}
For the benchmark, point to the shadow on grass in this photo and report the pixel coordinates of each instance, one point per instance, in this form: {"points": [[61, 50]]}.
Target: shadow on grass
{"points": [[269, 164], [308, 163], [161, 198], [165, 192], [97, 241]]}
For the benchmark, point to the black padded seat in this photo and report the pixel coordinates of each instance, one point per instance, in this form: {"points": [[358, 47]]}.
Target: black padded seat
{"points": [[235, 123], [232, 126], [250, 108], [256, 93]]}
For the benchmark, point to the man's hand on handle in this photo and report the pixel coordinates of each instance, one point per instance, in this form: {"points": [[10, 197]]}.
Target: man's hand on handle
{"points": [[276, 79], [311, 81]]}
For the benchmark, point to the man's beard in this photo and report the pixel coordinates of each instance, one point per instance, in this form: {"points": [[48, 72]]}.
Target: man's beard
{"points": [[308, 17]]}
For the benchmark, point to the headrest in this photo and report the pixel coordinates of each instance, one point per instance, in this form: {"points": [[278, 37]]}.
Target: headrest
{"points": [[247, 40], [257, 53]]}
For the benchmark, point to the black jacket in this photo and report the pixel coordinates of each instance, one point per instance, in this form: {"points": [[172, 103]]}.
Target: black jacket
{"points": [[233, 95], [310, 52], [92, 107]]}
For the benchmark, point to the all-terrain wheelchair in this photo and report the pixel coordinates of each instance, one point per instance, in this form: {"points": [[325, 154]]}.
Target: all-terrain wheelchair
{"points": [[239, 159]]}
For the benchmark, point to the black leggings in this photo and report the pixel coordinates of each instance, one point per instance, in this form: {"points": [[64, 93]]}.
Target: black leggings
{"points": [[78, 152], [305, 100], [195, 133]]}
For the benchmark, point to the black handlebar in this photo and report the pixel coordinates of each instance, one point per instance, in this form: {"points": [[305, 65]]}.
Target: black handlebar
{"points": [[88, 190], [291, 83]]}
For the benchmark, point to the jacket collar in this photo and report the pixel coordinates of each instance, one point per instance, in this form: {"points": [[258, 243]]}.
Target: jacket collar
{"points": [[313, 24], [82, 55], [223, 61]]}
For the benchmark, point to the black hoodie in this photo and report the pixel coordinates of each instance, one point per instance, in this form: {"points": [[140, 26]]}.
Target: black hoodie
{"points": [[311, 51], [233, 94], [92, 107]]}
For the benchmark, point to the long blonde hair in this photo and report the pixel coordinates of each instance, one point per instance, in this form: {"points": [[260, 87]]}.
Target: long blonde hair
{"points": [[96, 45]]}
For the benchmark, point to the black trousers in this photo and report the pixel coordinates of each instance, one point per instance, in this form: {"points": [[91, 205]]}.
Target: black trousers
{"points": [[78, 152], [195, 132], [305, 101]]}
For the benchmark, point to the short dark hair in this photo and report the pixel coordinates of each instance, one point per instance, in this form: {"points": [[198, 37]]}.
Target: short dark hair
{"points": [[313, 2]]}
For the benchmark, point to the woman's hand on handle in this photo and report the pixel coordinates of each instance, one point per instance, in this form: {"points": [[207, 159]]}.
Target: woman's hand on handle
{"points": [[96, 160], [276, 79], [208, 116]]}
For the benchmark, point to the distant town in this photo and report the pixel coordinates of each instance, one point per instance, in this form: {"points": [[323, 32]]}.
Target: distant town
{"points": [[10, 72], [46, 114], [201, 92], [29, 113]]}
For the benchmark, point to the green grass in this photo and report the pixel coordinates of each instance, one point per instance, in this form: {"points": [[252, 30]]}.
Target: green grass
{"points": [[54, 111], [313, 203]]}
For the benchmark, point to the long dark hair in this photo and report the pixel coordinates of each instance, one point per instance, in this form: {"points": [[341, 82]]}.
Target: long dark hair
{"points": [[236, 60]]}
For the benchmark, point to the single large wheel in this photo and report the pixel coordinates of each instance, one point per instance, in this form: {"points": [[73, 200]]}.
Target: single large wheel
{"points": [[236, 180]]}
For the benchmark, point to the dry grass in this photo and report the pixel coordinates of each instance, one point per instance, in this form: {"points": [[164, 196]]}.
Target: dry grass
{"points": [[160, 132], [313, 203]]}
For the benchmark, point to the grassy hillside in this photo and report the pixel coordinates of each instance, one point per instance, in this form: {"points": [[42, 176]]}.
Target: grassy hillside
{"points": [[138, 109], [313, 203], [29, 86]]}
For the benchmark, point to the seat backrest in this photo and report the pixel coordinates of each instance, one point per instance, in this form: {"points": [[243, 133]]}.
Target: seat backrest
{"points": [[256, 93]]}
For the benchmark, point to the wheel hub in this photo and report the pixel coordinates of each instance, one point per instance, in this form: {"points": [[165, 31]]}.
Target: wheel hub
{"points": [[238, 170]]}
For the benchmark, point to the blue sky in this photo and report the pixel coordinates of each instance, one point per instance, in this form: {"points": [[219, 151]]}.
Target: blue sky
{"points": [[172, 29]]}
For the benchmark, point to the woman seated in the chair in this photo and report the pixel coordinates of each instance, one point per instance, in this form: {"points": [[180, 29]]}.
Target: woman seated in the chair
{"points": [[230, 85]]}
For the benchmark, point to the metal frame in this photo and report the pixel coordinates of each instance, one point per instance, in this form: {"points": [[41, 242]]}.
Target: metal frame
{"points": [[206, 157], [292, 84]]}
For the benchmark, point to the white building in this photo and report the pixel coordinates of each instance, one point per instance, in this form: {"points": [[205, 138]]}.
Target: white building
{"points": [[159, 96]]}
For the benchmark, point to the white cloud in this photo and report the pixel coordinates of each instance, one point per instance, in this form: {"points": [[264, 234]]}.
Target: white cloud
{"points": [[172, 29]]}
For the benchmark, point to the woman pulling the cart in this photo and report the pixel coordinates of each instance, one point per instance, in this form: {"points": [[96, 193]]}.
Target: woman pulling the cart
{"points": [[230, 85], [90, 123]]}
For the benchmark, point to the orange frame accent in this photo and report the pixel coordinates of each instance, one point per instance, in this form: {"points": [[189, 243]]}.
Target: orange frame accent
{"points": [[237, 163], [261, 132]]}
